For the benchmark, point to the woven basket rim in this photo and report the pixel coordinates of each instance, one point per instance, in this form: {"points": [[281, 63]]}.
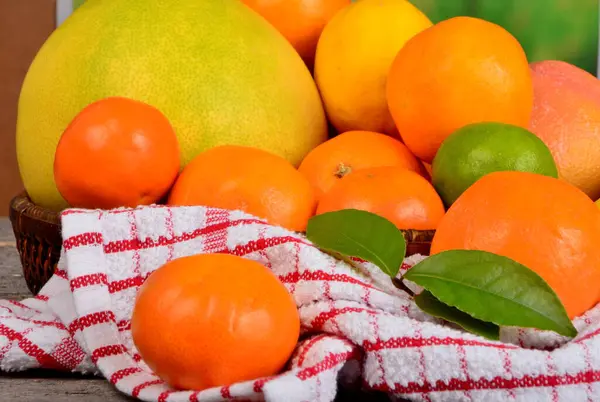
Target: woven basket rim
{"points": [[40, 228], [22, 204]]}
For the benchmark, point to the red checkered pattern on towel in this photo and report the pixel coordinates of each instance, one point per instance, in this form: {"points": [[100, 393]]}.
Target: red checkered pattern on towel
{"points": [[360, 327]]}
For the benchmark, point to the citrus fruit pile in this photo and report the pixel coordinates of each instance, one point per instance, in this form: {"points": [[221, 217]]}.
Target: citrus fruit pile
{"points": [[443, 127]]}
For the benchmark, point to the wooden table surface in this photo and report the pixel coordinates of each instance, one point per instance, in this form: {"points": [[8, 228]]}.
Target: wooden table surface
{"points": [[41, 385], [49, 386]]}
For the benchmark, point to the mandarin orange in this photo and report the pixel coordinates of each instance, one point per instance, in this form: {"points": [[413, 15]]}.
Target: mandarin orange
{"points": [[541, 222], [460, 71], [117, 152], [299, 21], [401, 196], [212, 320], [248, 179], [329, 162]]}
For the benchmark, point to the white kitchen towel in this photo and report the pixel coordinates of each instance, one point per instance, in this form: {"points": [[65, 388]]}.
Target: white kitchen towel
{"points": [[357, 327]]}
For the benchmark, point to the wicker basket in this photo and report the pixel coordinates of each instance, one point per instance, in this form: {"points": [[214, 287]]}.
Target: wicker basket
{"points": [[38, 235], [418, 241]]}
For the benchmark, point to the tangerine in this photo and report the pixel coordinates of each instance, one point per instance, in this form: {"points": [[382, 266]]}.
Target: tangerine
{"points": [[448, 76], [247, 179], [541, 222], [212, 320], [117, 152], [401, 196], [326, 164], [299, 21]]}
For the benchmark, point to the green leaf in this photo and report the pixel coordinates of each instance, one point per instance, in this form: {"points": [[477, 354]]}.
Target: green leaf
{"points": [[432, 306], [361, 234], [492, 288]]}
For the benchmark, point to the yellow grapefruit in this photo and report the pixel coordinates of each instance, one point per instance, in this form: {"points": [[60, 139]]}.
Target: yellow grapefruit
{"points": [[354, 55]]}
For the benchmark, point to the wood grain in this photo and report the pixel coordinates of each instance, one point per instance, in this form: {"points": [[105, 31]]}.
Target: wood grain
{"points": [[68, 389], [41, 385]]}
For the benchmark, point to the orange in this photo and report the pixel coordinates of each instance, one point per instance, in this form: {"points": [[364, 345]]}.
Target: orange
{"points": [[299, 21], [247, 179], [541, 222], [460, 71], [213, 320], [117, 152], [326, 164], [401, 196], [354, 55], [566, 116]]}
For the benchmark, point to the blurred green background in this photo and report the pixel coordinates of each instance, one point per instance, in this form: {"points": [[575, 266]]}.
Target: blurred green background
{"points": [[548, 29]]}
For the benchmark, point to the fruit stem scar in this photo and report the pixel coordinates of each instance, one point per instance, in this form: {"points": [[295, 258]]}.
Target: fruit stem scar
{"points": [[342, 170]]}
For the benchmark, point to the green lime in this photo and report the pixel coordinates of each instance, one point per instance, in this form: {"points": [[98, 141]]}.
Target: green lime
{"points": [[477, 149]]}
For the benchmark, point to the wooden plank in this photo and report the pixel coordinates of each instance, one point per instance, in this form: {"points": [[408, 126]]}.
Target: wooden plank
{"points": [[68, 389], [41, 385], [12, 284]]}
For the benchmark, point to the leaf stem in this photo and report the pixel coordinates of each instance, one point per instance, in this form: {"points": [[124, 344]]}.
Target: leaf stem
{"points": [[399, 283], [347, 260]]}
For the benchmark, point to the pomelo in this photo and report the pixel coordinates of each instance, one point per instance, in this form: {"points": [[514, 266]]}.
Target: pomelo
{"points": [[566, 116], [216, 69], [478, 149]]}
